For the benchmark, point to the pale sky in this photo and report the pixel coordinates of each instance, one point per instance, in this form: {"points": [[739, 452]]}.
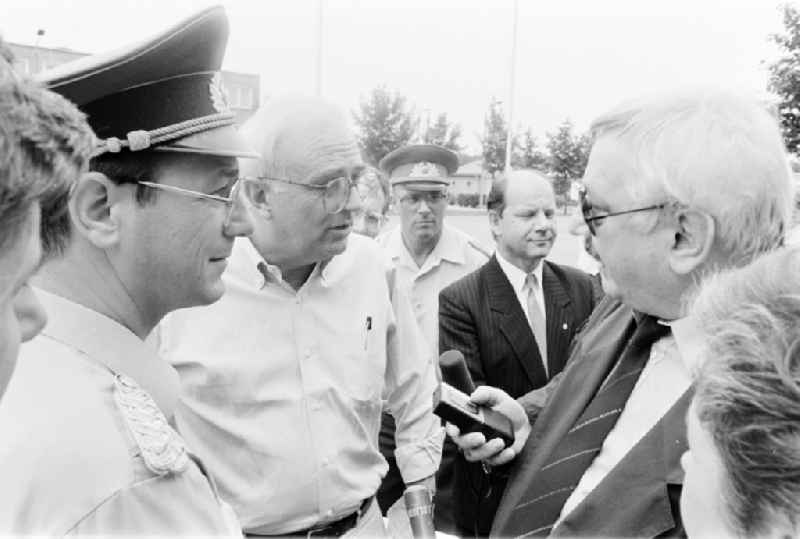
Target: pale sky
{"points": [[575, 58]]}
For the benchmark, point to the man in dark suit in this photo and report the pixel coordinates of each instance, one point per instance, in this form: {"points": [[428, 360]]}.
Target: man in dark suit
{"points": [[513, 319], [675, 187]]}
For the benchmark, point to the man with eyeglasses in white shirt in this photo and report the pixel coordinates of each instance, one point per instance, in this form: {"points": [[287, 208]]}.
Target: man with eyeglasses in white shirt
{"points": [[284, 378], [89, 446]]}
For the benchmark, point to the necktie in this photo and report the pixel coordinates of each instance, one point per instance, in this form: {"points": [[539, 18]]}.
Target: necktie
{"points": [[542, 503], [537, 317]]}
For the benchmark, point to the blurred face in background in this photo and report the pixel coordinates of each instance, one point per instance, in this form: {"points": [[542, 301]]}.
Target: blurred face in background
{"points": [[702, 502], [369, 220], [21, 315]]}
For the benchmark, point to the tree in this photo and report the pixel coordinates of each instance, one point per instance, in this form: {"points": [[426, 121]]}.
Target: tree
{"points": [[529, 155], [784, 77], [385, 122], [568, 156], [443, 133], [494, 139]]}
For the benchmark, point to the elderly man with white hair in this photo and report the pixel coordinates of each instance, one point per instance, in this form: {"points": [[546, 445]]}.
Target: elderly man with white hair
{"points": [[675, 187], [283, 378]]}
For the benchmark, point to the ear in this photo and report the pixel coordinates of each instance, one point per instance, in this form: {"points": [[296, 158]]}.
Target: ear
{"points": [[693, 240], [260, 197], [93, 210]]}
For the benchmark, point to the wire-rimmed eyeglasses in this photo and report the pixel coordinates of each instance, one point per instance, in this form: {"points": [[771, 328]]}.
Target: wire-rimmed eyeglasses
{"points": [[228, 197], [335, 193], [591, 218]]}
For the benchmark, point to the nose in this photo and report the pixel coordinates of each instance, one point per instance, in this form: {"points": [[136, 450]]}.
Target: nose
{"points": [[423, 207], [541, 221], [353, 199], [30, 314], [239, 221]]}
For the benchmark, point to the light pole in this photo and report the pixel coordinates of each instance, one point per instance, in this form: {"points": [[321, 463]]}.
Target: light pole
{"points": [[318, 59], [510, 137]]}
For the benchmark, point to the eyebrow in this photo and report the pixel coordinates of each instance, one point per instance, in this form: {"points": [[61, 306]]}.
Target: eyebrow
{"points": [[332, 173]]}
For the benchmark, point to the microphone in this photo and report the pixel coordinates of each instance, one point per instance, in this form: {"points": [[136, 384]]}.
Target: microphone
{"points": [[454, 371], [451, 402], [419, 509]]}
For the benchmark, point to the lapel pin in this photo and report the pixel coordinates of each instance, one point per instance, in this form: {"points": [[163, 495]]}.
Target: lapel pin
{"points": [[564, 327]]}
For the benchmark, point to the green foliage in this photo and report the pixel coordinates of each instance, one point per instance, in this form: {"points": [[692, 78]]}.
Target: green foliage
{"points": [[568, 154], [443, 133], [784, 77], [469, 200], [495, 136], [528, 154], [385, 122]]}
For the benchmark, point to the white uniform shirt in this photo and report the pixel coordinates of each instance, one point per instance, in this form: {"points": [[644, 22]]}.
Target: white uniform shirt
{"points": [[80, 438], [665, 378], [282, 389], [455, 255]]}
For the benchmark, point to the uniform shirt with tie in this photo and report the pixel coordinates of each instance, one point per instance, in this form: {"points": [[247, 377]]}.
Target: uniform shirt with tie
{"points": [[455, 255], [87, 446], [283, 388], [528, 286]]}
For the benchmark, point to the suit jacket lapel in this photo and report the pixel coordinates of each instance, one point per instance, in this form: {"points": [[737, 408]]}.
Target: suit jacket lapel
{"points": [[636, 490], [558, 316], [588, 366], [512, 322]]}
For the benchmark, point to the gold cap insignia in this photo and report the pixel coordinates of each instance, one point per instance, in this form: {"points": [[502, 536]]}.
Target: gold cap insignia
{"points": [[424, 169], [219, 99]]}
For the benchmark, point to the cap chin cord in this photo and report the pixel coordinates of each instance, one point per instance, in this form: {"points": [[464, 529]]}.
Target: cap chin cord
{"points": [[141, 140]]}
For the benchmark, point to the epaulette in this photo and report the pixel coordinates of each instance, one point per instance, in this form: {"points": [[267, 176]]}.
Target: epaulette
{"points": [[163, 450]]}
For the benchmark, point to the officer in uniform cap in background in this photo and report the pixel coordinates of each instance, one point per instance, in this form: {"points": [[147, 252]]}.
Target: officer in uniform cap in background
{"points": [[89, 446], [427, 255]]}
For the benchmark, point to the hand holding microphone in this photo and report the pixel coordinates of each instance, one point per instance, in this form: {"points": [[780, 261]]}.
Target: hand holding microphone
{"points": [[451, 402]]}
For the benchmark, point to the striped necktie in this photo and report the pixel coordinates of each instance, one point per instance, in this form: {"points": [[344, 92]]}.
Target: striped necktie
{"points": [[541, 505]]}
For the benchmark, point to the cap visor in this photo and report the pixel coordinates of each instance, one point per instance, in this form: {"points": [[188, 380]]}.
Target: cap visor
{"points": [[223, 141]]}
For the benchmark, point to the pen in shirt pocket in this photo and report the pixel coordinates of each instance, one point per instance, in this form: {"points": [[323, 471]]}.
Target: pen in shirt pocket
{"points": [[367, 329]]}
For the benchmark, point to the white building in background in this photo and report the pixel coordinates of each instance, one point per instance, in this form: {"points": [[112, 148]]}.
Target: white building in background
{"points": [[470, 178], [243, 89]]}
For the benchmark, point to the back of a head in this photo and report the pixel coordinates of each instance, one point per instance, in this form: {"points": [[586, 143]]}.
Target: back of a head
{"points": [[284, 129], [45, 144], [748, 391], [713, 150]]}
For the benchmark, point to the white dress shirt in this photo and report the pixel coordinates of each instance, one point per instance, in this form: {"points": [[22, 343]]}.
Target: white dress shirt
{"points": [[665, 378], [455, 255], [82, 454], [517, 279], [282, 389]]}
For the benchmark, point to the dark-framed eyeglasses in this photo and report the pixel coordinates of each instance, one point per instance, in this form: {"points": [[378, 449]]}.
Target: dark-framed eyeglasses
{"points": [[593, 219], [227, 195], [414, 199], [335, 193]]}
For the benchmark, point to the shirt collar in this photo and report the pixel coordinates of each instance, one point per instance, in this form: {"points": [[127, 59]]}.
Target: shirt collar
{"points": [[248, 265], [112, 345], [690, 342], [451, 246], [515, 275]]}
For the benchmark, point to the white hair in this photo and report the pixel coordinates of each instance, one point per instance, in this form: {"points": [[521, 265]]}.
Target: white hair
{"points": [[279, 125], [715, 151]]}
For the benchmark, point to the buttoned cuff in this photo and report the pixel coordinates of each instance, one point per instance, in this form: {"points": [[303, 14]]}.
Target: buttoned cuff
{"points": [[418, 460]]}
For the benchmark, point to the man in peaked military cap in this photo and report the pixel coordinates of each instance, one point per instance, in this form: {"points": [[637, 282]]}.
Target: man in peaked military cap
{"points": [[427, 256], [88, 443]]}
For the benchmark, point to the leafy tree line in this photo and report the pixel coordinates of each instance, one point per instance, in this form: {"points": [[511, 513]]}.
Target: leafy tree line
{"points": [[386, 120]]}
